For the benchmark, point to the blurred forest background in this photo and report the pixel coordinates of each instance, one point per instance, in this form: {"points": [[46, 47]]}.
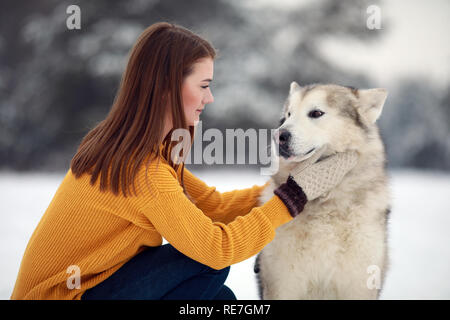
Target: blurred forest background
{"points": [[56, 84]]}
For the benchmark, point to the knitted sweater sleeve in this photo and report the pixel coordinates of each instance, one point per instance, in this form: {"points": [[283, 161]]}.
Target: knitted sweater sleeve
{"points": [[221, 206], [189, 230]]}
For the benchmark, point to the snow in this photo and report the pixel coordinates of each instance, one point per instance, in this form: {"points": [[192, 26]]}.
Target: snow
{"points": [[418, 229]]}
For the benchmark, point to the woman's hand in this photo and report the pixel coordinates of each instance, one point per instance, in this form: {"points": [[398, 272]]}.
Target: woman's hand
{"points": [[318, 177], [310, 179]]}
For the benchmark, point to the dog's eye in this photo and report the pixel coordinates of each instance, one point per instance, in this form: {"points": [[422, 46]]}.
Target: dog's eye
{"points": [[316, 114], [282, 121], [289, 114]]}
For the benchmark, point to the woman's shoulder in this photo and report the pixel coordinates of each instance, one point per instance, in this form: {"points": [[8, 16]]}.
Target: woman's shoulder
{"points": [[160, 174], [156, 166]]}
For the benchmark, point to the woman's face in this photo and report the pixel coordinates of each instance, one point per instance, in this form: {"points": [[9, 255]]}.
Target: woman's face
{"points": [[196, 92]]}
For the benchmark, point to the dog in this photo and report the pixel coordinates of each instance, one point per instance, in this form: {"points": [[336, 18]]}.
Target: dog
{"points": [[336, 248]]}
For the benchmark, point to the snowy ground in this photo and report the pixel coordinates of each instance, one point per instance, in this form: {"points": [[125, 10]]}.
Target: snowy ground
{"points": [[419, 237]]}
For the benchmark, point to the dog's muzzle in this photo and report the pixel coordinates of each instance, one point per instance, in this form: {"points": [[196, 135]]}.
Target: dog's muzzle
{"points": [[282, 139]]}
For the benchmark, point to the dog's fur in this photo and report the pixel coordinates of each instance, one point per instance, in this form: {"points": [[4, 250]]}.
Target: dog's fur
{"points": [[335, 246]]}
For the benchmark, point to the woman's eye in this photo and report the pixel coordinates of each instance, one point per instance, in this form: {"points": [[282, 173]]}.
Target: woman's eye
{"points": [[204, 87], [316, 114]]}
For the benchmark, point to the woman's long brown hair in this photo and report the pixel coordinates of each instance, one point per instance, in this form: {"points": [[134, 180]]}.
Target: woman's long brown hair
{"points": [[161, 58]]}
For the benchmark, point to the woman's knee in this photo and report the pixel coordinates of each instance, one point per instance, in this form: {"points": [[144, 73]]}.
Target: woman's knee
{"points": [[221, 274], [224, 271], [202, 268], [225, 293]]}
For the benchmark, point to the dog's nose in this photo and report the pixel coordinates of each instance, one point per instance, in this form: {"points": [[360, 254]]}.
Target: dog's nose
{"points": [[284, 137]]}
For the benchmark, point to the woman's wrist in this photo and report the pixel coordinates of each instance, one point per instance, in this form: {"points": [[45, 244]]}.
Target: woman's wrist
{"points": [[292, 196]]}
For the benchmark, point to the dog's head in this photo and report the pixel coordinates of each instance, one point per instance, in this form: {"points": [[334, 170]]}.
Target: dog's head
{"points": [[317, 115]]}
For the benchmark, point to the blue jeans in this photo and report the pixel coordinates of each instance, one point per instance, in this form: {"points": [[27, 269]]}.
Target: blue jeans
{"points": [[163, 273]]}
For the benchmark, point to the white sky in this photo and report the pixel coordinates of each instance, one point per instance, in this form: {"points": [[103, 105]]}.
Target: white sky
{"points": [[414, 42]]}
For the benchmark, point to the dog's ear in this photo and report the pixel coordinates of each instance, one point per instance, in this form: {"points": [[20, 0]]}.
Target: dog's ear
{"points": [[294, 87], [371, 102]]}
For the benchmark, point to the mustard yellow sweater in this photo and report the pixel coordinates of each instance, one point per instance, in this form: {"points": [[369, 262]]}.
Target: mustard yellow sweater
{"points": [[98, 231]]}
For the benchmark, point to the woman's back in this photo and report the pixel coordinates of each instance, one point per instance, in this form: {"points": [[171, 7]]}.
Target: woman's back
{"points": [[82, 227]]}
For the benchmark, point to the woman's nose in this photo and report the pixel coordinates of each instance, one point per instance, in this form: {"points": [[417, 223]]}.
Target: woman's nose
{"points": [[209, 98]]}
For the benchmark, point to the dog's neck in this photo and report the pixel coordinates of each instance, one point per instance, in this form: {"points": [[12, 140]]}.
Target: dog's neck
{"points": [[367, 176]]}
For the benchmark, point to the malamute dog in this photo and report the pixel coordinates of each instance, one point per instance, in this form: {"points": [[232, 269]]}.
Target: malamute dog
{"points": [[336, 247]]}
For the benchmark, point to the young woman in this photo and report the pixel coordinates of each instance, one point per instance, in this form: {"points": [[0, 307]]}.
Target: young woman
{"points": [[101, 236]]}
